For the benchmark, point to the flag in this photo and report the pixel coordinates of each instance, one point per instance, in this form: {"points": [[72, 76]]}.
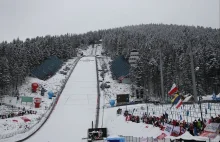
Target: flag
{"points": [[175, 99], [179, 103], [173, 90]]}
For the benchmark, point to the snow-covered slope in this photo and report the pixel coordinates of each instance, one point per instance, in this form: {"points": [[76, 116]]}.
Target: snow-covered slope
{"points": [[75, 109], [15, 128]]}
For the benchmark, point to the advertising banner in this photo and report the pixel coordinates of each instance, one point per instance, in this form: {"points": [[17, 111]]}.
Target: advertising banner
{"points": [[212, 127], [168, 129]]}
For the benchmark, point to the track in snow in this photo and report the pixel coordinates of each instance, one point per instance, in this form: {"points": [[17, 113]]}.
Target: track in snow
{"points": [[94, 50], [75, 109]]}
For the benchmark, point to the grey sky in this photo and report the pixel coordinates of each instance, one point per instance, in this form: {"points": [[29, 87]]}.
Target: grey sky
{"points": [[31, 18]]}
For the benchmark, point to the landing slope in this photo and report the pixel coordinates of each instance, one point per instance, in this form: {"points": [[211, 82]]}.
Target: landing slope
{"points": [[75, 109]]}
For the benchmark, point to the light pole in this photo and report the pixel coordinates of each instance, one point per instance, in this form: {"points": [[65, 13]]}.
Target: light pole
{"points": [[193, 74], [186, 31], [200, 106], [161, 75], [200, 99]]}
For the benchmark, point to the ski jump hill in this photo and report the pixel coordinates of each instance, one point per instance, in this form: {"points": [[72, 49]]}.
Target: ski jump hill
{"points": [[76, 107]]}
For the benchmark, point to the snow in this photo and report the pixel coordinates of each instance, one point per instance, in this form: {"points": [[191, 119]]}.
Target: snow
{"points": [[131, 129], [188, 136], [75, 109], [98, 49], [117, 125], [90, 50], [115, 87], [12, 126]]}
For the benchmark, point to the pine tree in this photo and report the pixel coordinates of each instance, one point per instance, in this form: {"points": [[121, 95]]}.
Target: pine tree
{"points": [[4, 75]]}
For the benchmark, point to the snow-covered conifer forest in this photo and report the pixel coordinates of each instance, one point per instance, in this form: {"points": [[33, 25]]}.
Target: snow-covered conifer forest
{"points": [[18, 58]]}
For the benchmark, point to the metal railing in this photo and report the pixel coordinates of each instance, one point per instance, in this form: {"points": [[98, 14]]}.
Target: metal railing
{"points": [[98, 96]]}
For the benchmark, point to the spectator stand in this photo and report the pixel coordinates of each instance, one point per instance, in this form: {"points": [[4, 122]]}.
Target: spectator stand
{"points": [[195, 129]]}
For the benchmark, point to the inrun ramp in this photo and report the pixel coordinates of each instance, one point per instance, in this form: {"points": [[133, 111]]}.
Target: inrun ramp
{"points": [[75, 109]]}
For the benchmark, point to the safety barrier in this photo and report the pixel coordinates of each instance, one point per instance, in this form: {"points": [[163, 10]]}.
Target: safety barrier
{"points": [[98, 96], [43, 118], [151, 139]]}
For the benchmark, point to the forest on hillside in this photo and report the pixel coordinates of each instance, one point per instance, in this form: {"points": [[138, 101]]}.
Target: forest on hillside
{"points": [[18, 58], [174, 42]]}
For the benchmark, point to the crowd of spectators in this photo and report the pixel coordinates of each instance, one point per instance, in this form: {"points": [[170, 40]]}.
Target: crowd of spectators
{"points": [[19, 112], [195, 128]]}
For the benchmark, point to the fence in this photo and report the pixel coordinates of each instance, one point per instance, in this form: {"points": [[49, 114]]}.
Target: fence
{"points": [[43, 118], [151, 139], [208, 110]]}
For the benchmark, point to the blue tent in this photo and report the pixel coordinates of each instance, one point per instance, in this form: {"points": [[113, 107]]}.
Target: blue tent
{"points": [[48, 68], [116, 139], [120, 67]]}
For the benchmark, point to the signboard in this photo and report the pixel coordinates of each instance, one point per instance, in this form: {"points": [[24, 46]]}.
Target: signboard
{"points": [[97, 133], [212, 127], [26, 99], [122, 99], [168, 129], [209, 135], [176, 130]]}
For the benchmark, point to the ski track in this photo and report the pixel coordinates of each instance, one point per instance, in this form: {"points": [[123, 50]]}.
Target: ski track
{"points": [[75, 109]]}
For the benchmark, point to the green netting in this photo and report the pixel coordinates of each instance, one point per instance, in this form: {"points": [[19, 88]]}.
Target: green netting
{"points": [[120, 67], [48, 68]]}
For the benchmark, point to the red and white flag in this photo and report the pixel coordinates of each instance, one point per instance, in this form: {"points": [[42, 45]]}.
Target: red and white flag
{"points": [[173, 90], [179, 103]]}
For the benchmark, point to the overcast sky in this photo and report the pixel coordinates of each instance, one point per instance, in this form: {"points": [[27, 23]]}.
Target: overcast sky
{"points": [[31, 18]]}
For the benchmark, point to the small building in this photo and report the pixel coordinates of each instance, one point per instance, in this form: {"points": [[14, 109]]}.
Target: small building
{"points": [[120, 69], [134, 56]]}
